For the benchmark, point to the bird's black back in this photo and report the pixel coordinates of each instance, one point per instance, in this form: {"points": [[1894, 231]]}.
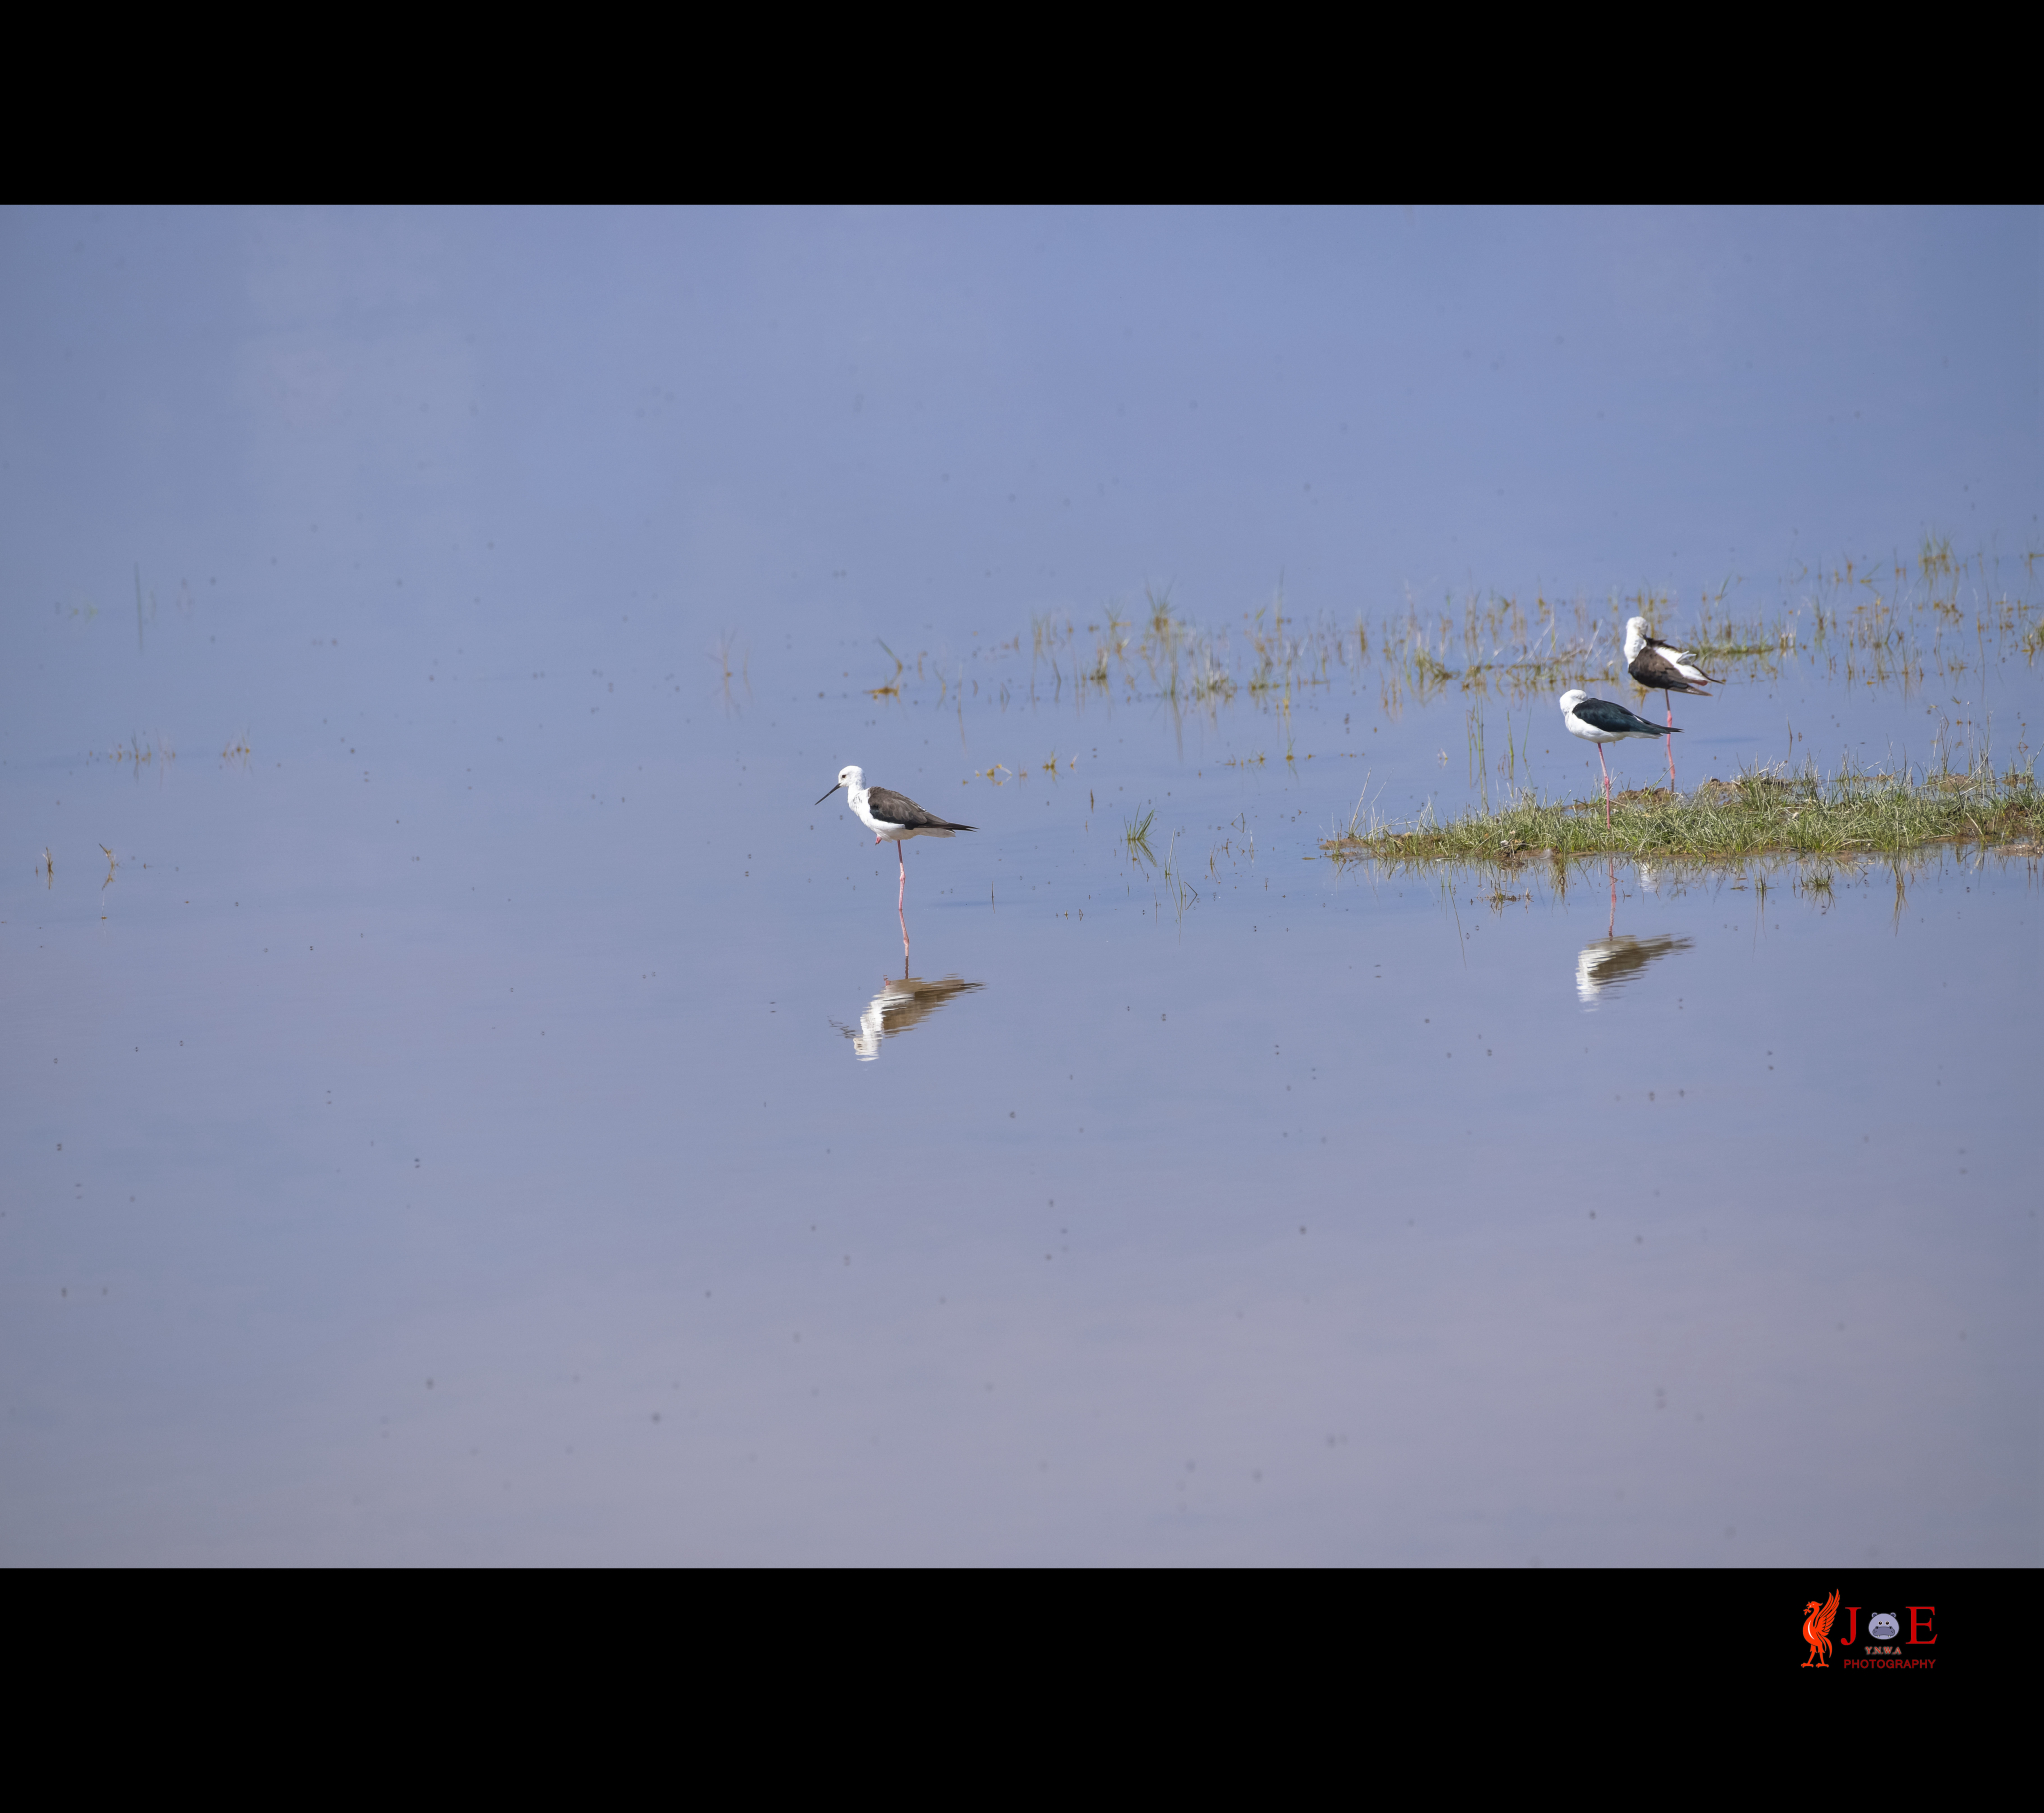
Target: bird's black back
{"points": [[1651, 669], [890, 807], [1602, 715]]}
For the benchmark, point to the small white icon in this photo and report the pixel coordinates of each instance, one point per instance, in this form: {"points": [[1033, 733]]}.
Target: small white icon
{"points": [[1883, 1626]]}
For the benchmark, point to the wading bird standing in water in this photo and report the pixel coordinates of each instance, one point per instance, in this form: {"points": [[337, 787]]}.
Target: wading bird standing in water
{"points": [[1664, 669], [893, 818], [1599, 721]]}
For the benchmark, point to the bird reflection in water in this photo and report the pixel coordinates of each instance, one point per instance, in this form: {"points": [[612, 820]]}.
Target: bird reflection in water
{"points": [[899, 1006], [1615, 960]]}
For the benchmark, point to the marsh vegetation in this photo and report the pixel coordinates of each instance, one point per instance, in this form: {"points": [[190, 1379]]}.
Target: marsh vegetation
{"points": [[1900, 620]]}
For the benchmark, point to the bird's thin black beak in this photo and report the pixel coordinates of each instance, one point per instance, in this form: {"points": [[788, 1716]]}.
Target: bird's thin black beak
{"points": [[833, 790]]}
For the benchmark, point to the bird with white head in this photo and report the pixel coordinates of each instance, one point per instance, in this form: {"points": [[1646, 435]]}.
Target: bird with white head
{"points": [[893, 818], [1599, 721]]}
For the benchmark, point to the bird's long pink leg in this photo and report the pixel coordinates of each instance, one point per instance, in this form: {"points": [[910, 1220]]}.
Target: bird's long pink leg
{"points": [[1668, 743], [1607, 786], [900, 900]]}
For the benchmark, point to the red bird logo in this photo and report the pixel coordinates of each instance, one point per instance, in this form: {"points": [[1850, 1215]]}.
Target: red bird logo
{"points": [[1817, 1630]]}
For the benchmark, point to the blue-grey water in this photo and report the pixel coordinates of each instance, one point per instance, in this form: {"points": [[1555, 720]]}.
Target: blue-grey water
{"points": [[464, 1103]]}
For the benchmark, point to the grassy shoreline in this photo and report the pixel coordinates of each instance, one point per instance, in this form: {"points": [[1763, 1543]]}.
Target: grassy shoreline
{"points": [[1757, 815]]}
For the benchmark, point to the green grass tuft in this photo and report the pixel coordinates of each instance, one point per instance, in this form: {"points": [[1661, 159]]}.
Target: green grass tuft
{"points": [[1136, 834]]}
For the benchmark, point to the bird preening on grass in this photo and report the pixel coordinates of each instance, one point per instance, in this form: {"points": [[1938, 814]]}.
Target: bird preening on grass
{"points": [[893, 818], [1599, 721], [1665, 669]]}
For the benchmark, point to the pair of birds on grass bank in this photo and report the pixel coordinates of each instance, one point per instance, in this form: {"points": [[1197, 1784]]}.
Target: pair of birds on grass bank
{"points": [[1659, 665]]}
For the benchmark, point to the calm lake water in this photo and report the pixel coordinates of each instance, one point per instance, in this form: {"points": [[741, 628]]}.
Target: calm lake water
{"points": [[464, 1103]]}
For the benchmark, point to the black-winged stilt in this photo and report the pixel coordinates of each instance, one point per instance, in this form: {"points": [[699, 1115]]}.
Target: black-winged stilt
{"points": [[1599, 721], [1665, 669], [893, 818]]}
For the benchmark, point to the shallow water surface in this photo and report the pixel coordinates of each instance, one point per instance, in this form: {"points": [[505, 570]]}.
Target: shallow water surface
{"points": [[465, 1104], [450, 1199]]}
